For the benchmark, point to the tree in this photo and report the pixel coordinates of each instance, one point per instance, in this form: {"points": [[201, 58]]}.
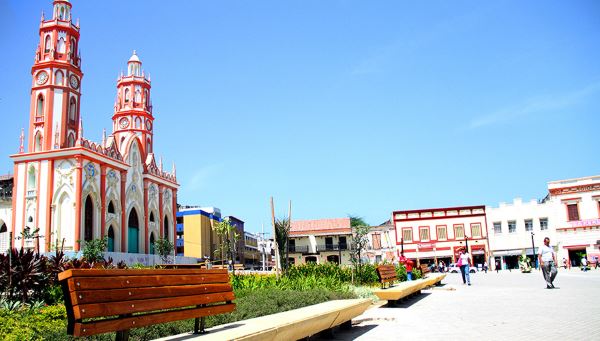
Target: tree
{"points": [[357, 221], [164, 248], [229, 237], [282, 231]]}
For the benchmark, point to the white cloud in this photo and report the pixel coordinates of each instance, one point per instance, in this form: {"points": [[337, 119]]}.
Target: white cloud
{"points": [[534, 106]]}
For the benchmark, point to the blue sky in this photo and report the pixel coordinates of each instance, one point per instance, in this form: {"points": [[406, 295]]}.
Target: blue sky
{"points": [[343, 107]]}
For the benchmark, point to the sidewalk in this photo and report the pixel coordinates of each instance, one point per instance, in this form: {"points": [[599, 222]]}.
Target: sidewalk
{"points": [[503, 306]]}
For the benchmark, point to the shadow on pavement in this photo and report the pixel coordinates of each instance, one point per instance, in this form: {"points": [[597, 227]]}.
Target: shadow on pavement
{"points": [[349, 334], [407, 302]]}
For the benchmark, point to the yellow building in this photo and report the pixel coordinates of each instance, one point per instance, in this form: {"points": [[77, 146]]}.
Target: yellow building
{"points": [[195, 234]]}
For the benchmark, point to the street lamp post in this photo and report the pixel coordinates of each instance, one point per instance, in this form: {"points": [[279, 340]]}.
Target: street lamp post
{"points": [[466, 244], [402, 246], [533, 250]]}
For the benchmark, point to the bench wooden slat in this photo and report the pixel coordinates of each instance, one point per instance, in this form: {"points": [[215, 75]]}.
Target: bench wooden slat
{"points": [[134, 272], [119, 282], [84, 311], [99, 296], [106, 326]]}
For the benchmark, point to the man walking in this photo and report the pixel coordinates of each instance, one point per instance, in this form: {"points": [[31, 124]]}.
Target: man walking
{"points": [[547, 259]]}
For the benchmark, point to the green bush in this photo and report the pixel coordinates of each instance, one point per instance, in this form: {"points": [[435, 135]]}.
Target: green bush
{"points": [[50, 323]]}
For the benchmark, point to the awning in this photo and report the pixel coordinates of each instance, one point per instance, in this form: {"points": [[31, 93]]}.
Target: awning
{"points": [[508, 253]]}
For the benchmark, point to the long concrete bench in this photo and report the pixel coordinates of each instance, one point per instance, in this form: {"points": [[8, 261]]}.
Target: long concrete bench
{"points": [[407, 288], [289, 325]]}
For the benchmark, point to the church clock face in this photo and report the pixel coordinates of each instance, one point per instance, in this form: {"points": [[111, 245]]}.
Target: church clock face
{"points": [[123, 123], [41, 78], [74, 81]]}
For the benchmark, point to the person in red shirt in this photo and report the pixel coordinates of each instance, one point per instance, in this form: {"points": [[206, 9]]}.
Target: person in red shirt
{"points": [[408, 264]]}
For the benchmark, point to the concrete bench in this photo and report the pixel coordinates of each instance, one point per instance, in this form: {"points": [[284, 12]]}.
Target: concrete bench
{"points": [[289, 325], [408, 288]]}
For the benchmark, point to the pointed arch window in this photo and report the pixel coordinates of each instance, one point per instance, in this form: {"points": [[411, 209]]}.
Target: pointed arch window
{"points": [[111, 207], [138, 94], [71, 140], [31, 178], [38, 142], [47, 44], [152, 217], [39, 112], [72, 109], [59, 78], [88, 220], [61, 45], [166, 228], [126, 95]]}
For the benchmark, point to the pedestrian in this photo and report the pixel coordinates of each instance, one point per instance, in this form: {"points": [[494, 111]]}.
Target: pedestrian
{"points": [[564, 263], [497, 265], [465, 259], [485, 267], [441, 266], [547, 259], [408, 264], [584, 263], [596, 260]]}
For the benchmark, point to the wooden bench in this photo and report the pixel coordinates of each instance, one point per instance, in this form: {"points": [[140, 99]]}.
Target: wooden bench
{"points": [[105, 300], [387, 274], [424, 269], [294, 324]]}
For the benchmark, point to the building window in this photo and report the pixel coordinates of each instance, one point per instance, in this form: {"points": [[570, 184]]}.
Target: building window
{"points": [[424, 233], [47, 45], [459, 232], [476, 230], [40, 106], [442, 233], [543, 224], [126, 95], [512, 226], [573, 212], [58, 78], [497, 227], [72, 109], [528, 225], [407, 235]]}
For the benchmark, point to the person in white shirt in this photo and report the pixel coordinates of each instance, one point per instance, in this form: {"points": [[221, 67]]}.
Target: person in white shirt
{"points": [[584, 263], [465, 259], [547, 259]]}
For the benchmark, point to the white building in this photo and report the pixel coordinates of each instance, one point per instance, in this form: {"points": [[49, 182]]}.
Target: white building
{"points": [[511, 228], [576, 208], [569, 216]]}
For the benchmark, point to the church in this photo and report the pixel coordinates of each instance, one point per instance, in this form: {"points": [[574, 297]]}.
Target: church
{"points": [[72, 189]]}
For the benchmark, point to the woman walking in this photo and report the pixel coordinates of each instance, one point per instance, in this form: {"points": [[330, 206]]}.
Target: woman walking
{"points": [[465, 261]]}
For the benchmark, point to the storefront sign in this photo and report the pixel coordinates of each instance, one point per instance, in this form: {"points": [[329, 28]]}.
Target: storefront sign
{"points": [[585, 223], [426, 245]]}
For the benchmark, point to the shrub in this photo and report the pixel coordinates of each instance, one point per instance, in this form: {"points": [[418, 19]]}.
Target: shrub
{"points": [[23, 275], [93, 250], [47, 323]]}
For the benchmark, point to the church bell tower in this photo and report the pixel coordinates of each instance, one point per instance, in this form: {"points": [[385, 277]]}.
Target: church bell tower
{"points": [[133, 108], [56, 84]]}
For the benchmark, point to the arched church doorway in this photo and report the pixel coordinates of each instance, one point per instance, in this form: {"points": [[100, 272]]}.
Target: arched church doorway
{"points": [[166, 228], [133, 232], [88, 219], [4, 242], [152, 243], [111, 239]]}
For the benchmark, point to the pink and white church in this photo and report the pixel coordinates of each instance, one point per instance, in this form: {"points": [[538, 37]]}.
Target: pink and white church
{"points": [[74, 189]]}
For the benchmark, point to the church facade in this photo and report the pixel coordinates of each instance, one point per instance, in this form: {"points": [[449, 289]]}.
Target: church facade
{"points": [[72, 189]]}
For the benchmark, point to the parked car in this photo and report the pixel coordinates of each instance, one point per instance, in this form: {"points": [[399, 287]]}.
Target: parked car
{"points": [[453, 268]]}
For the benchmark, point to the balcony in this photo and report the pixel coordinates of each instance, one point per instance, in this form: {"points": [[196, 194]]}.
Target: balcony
{"points": [[297, 249], [179, 242], [332, 247], [179, 228], [32, 193]]}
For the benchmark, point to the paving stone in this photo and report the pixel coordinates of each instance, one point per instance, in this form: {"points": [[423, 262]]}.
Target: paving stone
{"points": [[498, 306]]}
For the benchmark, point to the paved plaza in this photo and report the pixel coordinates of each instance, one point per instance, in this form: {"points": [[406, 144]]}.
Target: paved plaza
{"points": [[498, 306]]}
